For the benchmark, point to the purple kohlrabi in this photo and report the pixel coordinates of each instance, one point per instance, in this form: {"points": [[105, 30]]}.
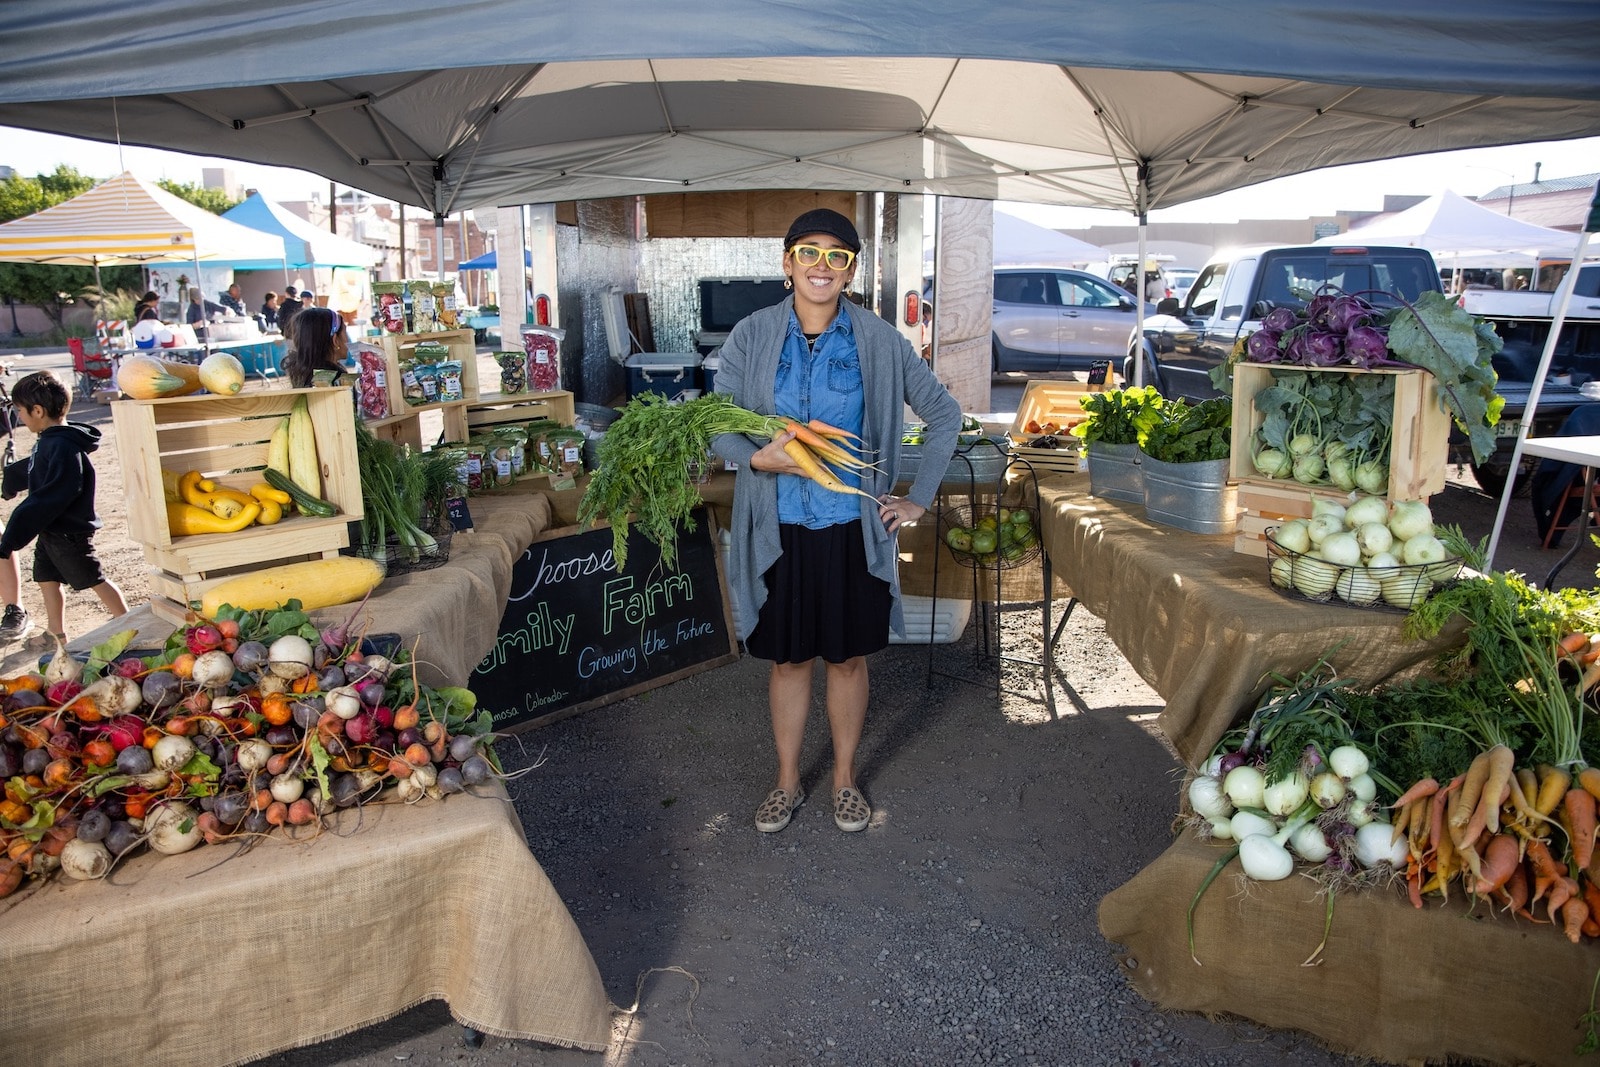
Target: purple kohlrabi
{"points": [[1262, 347], [1280, 319], [1317, 310], [1366, 346], [1316, 348], [1345, 313]]}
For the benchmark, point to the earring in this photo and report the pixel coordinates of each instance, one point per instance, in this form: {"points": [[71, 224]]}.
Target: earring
{"points": [[788, 282]]}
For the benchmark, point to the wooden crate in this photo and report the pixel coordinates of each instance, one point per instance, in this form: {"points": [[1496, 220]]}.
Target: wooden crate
{"points": [[1057, 402], [1266, 504], [463, 349], [1068, 459], [1419, 446], [226, 438], [422, 427], [497, 409]]}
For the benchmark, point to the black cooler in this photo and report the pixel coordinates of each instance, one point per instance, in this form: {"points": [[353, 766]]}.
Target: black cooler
{"points": [[724, 301]]}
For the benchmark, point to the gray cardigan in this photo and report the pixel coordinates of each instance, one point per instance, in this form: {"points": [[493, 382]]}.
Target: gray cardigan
{"points": [[892, 376]]}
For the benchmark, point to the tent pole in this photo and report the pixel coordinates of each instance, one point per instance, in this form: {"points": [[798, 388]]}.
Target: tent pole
{"points": [[1138, 278], [438, 247], [1556, 323]]}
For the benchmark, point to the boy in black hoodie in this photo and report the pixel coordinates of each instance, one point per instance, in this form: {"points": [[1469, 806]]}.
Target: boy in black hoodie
{"points": [[59, 511]]}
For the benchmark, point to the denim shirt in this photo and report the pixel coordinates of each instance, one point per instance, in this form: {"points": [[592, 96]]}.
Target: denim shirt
{"points": [[820, 382]]}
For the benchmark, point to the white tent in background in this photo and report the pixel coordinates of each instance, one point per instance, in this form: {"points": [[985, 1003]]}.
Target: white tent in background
{"points": [[1450, 224], [1020, 243]]}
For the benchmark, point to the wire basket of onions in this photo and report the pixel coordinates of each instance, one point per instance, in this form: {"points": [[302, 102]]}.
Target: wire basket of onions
{"points": [[1389, 587], [983, 536]]}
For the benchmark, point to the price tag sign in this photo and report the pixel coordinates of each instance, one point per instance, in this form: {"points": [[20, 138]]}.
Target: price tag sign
{"points": [[460, 517]]}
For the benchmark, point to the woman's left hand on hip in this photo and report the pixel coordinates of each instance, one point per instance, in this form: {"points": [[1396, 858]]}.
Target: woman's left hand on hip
{"points": [[896, 511]]}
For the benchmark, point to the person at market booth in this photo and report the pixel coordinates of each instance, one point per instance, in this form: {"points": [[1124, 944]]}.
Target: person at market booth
{"points": [[317, 342], [813, 571], [233, 300]]}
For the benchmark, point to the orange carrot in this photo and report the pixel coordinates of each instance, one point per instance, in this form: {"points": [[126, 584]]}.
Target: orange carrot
{"points": [[1572, 644], [1425, 788], [820, 446], [1471, 791], [1545, 870], [1564, 890], [1515, 891], [831, 431], [1591, 896], [1580, 812], [1499, 860], [817, 472], [1592, 653], [1575, 914]]}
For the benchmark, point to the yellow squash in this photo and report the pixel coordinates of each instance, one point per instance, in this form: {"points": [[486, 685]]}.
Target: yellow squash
{"points": [[320, 583]]}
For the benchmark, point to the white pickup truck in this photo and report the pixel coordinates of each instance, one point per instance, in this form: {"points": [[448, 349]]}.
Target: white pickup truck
{"points": [[1501, 304]]}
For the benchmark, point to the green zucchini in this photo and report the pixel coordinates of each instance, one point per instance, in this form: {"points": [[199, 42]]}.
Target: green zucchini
{"points": [[308, 504]]}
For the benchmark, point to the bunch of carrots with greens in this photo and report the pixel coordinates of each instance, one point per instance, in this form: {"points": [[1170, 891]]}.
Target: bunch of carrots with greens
{"points": [[643, 473]]}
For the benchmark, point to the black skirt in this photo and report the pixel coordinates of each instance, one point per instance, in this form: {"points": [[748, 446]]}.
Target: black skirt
{"points": [[821, 600]]}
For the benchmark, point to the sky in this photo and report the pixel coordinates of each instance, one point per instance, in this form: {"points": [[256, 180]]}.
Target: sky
{"points": [[1358, 187]]}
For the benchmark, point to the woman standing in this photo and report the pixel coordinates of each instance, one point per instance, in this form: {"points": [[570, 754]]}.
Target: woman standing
{"points": [[812, 571]]}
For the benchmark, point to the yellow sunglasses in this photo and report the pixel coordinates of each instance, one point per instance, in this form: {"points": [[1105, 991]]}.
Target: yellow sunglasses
{"points": [[811, 255]]}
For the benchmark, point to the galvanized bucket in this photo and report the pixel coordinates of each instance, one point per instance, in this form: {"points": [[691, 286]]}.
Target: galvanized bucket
{"points": [[1191, 496], [1114, 472]]}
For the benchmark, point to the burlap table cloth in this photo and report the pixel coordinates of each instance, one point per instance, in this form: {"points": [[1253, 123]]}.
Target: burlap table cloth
{"points": [[229, 959], [1198, 621], [221, 958], [1395, 983]]}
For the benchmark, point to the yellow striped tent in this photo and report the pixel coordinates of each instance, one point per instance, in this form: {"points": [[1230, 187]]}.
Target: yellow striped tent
{"points": [[126, 221]]}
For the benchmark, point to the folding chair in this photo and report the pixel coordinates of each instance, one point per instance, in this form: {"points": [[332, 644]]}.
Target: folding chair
{"points": [[90, 370]]}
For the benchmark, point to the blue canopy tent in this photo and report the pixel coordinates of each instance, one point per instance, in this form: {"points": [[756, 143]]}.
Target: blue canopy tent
{"points": [[491, 261], [305, 245]]}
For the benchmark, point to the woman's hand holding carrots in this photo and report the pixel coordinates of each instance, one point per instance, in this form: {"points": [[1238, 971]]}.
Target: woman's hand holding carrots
{"points": [[772, 458]]}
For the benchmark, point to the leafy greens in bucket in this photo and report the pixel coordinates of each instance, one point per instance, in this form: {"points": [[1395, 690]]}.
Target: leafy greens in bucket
{"points": [[1192, 433]]}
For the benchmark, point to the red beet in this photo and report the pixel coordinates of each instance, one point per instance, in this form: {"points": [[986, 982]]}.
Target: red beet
{"points": [[203, 638], [61, 692]]}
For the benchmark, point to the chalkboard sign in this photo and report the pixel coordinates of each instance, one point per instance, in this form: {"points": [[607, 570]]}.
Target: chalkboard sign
{"points": [[577, 634]]}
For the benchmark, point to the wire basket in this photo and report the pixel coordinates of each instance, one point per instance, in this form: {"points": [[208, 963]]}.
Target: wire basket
{"points": [[1399, 588], [1015, 532], [397, 558]]}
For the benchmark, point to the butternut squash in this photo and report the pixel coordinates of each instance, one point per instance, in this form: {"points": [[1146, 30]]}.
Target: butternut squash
{"points": [[321, 583], [148, 378]]}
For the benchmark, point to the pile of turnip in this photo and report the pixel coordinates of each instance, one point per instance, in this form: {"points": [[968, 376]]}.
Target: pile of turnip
{"points": [[1364, 553], [241, 725]]}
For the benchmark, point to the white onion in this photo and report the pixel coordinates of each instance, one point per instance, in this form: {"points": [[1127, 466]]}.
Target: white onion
{"points": [[1264, 859], [1341, 549], [1348, 761], [1374, 538], [1410, 518], [1212, 766], [1310, 843], [1358, 586], [1363, 787], [1222, 830], [1361, 813], [1245, 823], [1321, 527], [1424, 548], [1207, 799], [1374, 845], [1327, 789], [1285, 796], [1314, 577], [1294, 535], [1366, 511], [1245, 786]]}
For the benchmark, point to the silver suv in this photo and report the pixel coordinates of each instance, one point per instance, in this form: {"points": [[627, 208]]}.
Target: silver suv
{"points": [[1051, 318]]}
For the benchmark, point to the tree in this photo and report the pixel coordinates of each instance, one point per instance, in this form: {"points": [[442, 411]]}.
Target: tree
{"points": [[213, 200], [48, 287]]}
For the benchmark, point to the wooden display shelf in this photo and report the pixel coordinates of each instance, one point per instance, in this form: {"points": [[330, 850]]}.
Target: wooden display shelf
{"points": [[1419, 443], [461, 346], [420, 427], [225, 438], [497, 409]]}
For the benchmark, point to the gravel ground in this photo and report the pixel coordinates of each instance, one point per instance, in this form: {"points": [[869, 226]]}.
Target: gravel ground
{"points": [[959, 928]]}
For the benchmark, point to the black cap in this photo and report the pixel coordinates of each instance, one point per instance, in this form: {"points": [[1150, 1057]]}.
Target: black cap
{"points": [[824, 220], [307, 294]]}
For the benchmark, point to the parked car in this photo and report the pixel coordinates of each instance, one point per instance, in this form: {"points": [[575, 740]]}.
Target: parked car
{"points": [[1179, 281], [1053, 318]]}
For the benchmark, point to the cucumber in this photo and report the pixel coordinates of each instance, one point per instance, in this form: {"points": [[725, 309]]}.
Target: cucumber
{"points": [[308, 504]]}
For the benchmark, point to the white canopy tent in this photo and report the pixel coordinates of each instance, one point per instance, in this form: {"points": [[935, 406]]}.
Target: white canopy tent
{"points": [[1020, 243], [1450, 224]]}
